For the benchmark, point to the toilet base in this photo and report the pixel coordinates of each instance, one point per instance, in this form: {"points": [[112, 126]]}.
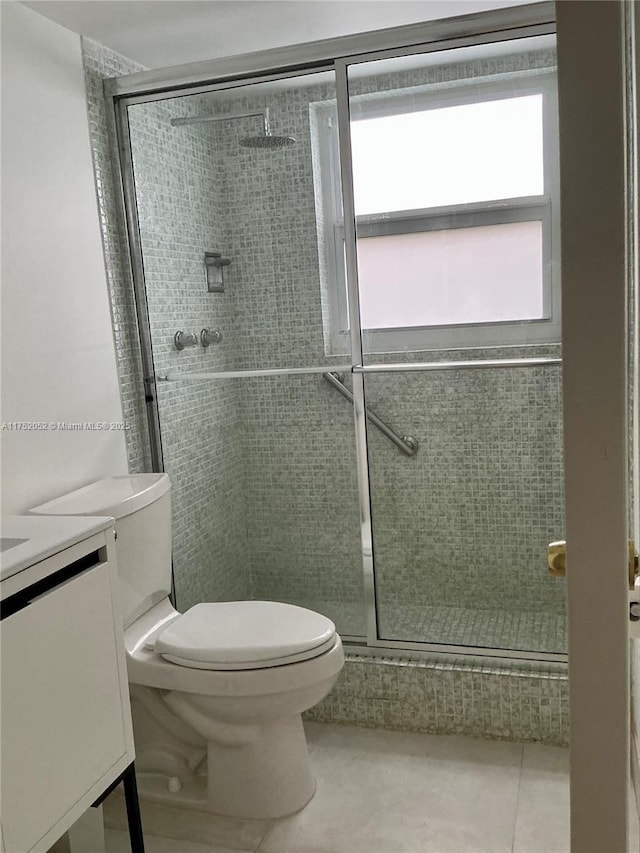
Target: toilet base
{"points": [[267, 777]]}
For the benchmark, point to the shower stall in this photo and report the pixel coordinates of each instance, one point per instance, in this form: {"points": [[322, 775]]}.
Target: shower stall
{"points": [[345, 263]]}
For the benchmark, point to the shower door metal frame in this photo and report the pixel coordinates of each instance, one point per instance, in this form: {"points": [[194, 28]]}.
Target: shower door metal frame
{"points": [[333, 55], [460, 31], [360, 369]]}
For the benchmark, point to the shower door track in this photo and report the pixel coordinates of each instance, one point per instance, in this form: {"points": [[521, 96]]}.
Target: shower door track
{"points": [[448, 653], [459, 31], [336, 55]]}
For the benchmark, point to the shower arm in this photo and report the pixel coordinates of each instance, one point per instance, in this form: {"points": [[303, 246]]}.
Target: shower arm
{"points": [[263, 114], [407, 443]]}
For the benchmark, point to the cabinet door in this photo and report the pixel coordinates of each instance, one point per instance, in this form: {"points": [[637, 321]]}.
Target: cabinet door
{"points": [[63, 723]]}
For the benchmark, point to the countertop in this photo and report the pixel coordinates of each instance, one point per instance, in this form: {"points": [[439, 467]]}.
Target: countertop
{"points": [[43, 536]]}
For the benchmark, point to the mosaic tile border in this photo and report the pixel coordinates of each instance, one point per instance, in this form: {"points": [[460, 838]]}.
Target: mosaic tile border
{"points": [[447, 696]]}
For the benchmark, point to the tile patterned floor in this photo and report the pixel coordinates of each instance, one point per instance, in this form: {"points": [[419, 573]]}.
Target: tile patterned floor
{"points": [[392, 792], [497, 629]]}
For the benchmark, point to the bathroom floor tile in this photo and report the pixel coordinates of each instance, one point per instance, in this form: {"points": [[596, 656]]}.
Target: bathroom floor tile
{"points": [[542, 823], [186, 825], [394, 792], [117, 841], [389, 792], [329, 738]]}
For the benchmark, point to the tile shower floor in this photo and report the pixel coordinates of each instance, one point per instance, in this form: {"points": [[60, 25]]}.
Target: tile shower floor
{"points": [[391, 792], [500, 629]]}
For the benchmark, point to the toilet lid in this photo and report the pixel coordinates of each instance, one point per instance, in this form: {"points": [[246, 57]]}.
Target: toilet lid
{"points": [[245, 635]]}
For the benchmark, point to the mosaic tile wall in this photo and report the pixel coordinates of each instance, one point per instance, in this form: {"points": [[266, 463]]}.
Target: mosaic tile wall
{"points": [[451, 696], [467, 520], [303, 517], [295, 448], [176, 179], [268, 197], [101, 63]]}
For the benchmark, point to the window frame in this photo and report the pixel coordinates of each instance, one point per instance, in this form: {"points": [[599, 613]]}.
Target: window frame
{"points": [[543, 208]]}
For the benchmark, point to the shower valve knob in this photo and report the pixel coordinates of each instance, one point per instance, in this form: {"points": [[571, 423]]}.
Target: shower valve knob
{"points": [[207, 337], [184, 339]]}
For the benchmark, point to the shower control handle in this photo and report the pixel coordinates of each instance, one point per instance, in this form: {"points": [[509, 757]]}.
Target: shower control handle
{"points": [[184, 339], [207, 337]]}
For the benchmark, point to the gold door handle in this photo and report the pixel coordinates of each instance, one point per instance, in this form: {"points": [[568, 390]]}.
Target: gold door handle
{"points": [[632, 564], [557, 559]]}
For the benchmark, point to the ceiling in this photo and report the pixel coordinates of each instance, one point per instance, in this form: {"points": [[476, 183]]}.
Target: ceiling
{"points": [[158, 33]]}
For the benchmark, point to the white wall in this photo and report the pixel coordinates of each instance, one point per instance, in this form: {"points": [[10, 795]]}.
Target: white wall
{"points": [[58, 361], [635, 435]]}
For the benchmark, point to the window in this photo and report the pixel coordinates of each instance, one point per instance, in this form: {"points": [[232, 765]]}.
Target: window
{"points": [[456, 214]]}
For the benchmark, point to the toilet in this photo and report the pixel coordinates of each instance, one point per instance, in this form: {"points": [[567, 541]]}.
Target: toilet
{"points": [[217, 692]]}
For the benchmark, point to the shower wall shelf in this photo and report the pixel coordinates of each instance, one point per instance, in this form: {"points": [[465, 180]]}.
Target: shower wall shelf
{"points": [[214, 265]]}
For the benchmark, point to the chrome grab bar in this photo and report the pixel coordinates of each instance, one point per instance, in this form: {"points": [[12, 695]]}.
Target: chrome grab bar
{"points": [[407, 444]]}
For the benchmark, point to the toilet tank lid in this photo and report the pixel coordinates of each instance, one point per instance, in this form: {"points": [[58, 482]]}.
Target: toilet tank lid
{"points": [[114, 496]]}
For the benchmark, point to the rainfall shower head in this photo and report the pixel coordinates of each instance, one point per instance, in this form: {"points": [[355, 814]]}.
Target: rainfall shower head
{"points": [[267, 140], [264, 140]]}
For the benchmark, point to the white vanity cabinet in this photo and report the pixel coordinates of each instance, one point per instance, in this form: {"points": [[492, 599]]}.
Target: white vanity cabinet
{"points": [[65, 714]]}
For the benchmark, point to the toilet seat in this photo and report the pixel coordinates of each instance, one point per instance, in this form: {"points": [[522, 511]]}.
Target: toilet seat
{"points": [[242, 635]]}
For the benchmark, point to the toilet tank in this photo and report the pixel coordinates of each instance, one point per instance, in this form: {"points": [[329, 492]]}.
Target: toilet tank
{"points": [[141, 507]]}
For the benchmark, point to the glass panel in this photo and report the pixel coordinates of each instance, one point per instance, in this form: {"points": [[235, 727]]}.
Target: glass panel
{"points": [[230, 172], [301, 497], [460, 530], [454, 159], [454, 276], [449, 155], [265, 499], [265, 494]]}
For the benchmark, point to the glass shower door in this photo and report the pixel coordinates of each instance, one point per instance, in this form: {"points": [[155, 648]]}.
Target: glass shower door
{"points": [[455, 325], [460, 530], [260, 451]]}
